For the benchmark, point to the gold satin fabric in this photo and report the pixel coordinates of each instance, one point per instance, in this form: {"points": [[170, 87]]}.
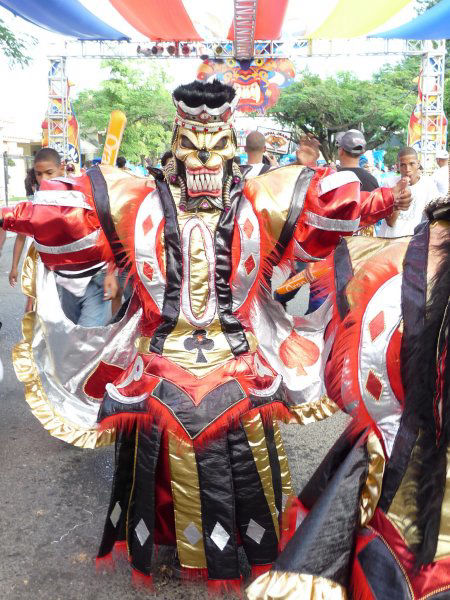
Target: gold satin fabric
{"points": [[123, 188], [174, 348], [363, 248], [372, 487], [256, 438], [186, 501], [286, 481], [279, 585], [402, 511], [310, 412], [271, 194], [27, 373]]}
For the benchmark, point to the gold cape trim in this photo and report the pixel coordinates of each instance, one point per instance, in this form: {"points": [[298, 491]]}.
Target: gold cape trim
{"points": [[310, 412], [371, 491], [280, 585], [27, 373]]}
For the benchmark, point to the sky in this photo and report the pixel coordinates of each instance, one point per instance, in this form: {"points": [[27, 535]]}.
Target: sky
{"points": [[25, 102]]}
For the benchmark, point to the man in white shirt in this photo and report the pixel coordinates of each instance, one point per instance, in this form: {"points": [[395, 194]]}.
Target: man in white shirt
{"points": [[441, 174], [423, 190], [255, 147]]}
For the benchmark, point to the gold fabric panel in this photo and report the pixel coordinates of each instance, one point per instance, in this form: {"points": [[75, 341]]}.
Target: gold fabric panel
{"points": [[310, 412], [186, 501], [402, 511], [123, 187], [27, 373], [271, 194], [175, 351], [372, 487], [198, 282], [256, 438], [279, 585], [286, 481]]}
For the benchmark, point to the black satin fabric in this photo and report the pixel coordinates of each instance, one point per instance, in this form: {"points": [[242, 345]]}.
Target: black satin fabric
{"points": [[274, 465], [343, 272], [414, 297], [231, 326], [110, 407], [250, 500], [195, 419], [102, 206], [142, 501], [217, 502], [174, 266], [323, 543], [383, 574], [121, 489]]}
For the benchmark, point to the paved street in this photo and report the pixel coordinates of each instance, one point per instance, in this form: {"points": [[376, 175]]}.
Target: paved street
{"points": [[54, 496]]}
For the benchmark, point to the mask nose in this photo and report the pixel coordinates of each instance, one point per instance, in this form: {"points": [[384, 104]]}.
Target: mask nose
{"points": [[203, 156]]}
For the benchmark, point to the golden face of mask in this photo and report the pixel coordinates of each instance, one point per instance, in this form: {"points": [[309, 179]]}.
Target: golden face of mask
{"points": [[204, 156]]}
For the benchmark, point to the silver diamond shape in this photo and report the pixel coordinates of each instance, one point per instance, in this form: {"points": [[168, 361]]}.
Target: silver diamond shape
{"points": [[219, 536], [255, 531], [115, 514], [192, 534], [142, 532]]}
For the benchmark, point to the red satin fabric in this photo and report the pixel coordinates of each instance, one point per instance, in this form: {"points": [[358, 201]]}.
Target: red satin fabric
{"points": [[376, 205], [164, 513]]}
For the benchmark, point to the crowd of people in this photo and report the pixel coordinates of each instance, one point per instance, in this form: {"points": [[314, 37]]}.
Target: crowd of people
{"points": [[196, 368]]}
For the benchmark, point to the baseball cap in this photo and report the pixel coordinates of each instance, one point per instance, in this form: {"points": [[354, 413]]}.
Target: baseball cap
{"points": [[442, 154], [352, 141]]}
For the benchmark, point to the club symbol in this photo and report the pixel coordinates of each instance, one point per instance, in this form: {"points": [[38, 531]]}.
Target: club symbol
{"points": [[198, 341]]}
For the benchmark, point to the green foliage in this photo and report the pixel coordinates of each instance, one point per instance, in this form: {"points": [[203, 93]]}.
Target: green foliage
{"points": [[381, 106], [15, 48], [142, 96]]}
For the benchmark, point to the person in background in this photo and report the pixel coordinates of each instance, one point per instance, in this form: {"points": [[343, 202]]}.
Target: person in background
{"points": [[441, 174], [308, 151], [423, 191], [351, 145], [255, 147], [31, 185], [121, 162]]}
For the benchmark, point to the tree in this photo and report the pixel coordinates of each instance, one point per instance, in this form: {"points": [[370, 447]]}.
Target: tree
{"points": [[322, 107], [144, 99], [13, 46]]}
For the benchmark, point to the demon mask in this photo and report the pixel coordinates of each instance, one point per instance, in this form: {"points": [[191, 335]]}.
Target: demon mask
{"points": [[203, 145]]}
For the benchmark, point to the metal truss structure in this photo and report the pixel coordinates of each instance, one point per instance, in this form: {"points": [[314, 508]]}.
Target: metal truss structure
{"points": [[433, 123], [433, 129], [58, 109]]}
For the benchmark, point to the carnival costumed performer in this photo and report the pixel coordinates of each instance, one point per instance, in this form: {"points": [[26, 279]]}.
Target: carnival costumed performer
{"points": [[375, 517], [203, 353]]}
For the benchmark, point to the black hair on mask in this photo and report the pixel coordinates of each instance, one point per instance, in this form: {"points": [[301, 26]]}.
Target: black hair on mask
{"points": [[212, 94]]}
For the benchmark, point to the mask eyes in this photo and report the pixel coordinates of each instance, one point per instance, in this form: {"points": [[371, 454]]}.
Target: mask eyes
{"points": [[186, 143], [221, 144]]}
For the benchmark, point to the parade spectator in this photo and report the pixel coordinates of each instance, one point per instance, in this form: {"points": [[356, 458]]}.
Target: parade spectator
{"points": [[255, 147], [121, 162], [423, 191], [441, 174], [351, 145]]}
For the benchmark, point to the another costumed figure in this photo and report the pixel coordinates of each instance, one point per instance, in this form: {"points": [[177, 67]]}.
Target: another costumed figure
{"points": [[193, 375], [375, 516]]}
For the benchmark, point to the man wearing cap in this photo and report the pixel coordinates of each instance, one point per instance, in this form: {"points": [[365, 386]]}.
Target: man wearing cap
{"points": [[441, 175], [351, 145]]}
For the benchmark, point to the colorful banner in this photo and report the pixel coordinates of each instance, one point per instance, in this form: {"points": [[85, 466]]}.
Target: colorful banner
{"points": [[277, 141], [258, 82]]}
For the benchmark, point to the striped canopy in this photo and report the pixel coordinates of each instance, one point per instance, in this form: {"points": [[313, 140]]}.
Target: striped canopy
{"points": [[197, 20]]}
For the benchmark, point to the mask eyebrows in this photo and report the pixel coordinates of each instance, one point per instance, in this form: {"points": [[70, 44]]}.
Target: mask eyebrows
{"points": [[191, 136], [216, 137]]}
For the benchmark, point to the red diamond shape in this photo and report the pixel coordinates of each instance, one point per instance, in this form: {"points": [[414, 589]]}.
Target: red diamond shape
{"points": [[147, 225], [148, 271], [374, 385], [248, 228], [376, 325], [249, 264]]}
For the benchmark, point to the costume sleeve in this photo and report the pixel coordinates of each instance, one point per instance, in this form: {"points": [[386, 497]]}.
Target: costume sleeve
{"points": [[64, 224], [336, 207]]}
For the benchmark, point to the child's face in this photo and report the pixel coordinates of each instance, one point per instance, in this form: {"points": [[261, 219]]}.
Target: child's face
{"points": [[47, 169]]}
